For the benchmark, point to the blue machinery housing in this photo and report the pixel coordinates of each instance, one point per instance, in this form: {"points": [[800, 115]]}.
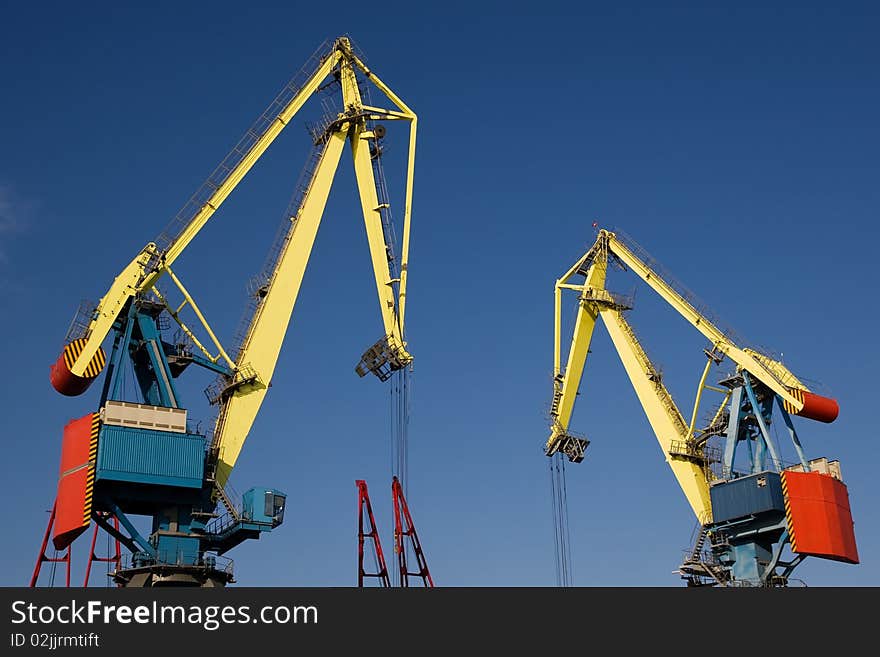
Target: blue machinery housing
{"points": [[168, 473]]}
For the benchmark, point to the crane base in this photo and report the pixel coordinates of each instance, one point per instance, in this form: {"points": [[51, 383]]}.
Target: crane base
{"points": [[168, 575]]}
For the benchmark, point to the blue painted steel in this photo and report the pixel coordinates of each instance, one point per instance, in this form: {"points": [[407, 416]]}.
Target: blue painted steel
{"points": [[791, 432], [751, 495], [199, 360], [759, 412], [263, 505], [181, 550], [135, 535], [747, 561], [166, 468], [120, 349], [759, 462], [150, 457], [749, 527], [732, 430], [180, 521], [778, 548], [159, 381]]}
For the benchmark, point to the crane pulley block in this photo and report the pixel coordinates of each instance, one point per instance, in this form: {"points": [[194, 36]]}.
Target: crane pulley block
{"points": [[384, 358]]}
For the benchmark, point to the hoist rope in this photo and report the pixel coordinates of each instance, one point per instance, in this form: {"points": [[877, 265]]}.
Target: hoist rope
{"points": [[400, 424], [561, 535], [54, 566]]}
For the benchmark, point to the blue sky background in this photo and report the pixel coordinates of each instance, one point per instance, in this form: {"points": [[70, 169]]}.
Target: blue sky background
{"points": [[736, 142]]}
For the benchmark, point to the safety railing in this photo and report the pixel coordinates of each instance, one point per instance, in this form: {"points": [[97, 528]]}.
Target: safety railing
{"points": [[701, 307], [656, 376], [177, 557], [79, 325], [259, 284]]}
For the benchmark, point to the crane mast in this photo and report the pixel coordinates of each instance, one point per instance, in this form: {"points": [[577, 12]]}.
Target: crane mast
{"points": [[146, 458], [242, 394], [688, 464], [749, 508]]}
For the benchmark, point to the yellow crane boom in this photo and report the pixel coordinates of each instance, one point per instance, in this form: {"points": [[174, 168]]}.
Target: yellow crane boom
{"points": [[666, 420], [241, 393], [681, 445], [771, 373]]}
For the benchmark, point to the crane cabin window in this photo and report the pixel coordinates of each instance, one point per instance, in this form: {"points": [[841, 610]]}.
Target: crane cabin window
{"points": [[274, 506]]}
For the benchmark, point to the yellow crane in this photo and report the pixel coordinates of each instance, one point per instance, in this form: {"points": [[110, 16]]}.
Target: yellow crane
{"points": [[742, 417], [130, 311], [243, 392]]}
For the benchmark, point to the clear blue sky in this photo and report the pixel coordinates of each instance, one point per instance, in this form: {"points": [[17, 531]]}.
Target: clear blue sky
{"points": [[738, 143]]}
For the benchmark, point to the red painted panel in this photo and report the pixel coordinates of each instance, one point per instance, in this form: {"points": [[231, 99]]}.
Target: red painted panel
{"points": [[65, 381], [819, 517], [817, 407], [72, 482], [69, 521]]}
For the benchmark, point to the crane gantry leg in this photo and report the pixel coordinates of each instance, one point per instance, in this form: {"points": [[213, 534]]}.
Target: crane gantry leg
{"points": [[404, 528], [42, 557], [364, 507]]}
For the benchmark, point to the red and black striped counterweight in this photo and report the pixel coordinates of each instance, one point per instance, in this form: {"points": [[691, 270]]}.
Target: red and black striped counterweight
{"points": [[815, 407], [61, 375]]}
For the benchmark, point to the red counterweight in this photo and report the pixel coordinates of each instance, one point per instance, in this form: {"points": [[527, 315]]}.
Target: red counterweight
{"points": [[64, 380], [819, 519], [815, 407]]}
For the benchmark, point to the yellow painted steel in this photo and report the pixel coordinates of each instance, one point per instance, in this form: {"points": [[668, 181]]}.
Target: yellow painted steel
{"points": [[262, 345], [93, 368], [407, 218], [221, 353], [187, 331], [788, 518], [675, 435], [665, 419], [123, 288], [700, 388], [719, 411], [566, 384], [255, 363], [111, 304], [248, 161], [92, 468], [771, 373], [781, 372], [263, 342], [407, 113], [359, 138]]}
